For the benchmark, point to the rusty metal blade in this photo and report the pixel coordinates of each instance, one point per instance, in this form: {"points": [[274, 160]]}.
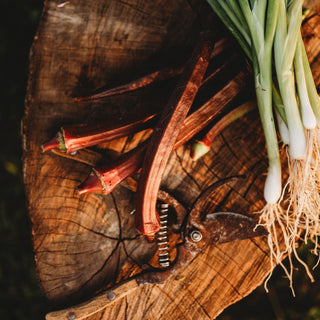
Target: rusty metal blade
{"points": [[229, 226]]}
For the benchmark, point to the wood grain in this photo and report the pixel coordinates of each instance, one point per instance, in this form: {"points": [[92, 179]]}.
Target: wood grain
{"points": [[85, 244]]}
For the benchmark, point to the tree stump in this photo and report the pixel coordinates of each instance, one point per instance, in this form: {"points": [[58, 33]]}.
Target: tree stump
{"points": [[86, 244]]}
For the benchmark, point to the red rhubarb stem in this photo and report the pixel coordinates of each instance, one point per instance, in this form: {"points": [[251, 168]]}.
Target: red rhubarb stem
{"points": [[202, 146], [78, 137], [165, 134], [74, 138], [153, 77], [104, 179], [228, 119], [211, 109], [192, 125], [57, 142]]}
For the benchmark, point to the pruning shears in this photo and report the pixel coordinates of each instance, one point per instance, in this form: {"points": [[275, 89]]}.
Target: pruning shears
{"points": [[198, 230]]}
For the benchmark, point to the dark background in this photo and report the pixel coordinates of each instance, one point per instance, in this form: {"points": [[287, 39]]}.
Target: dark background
{"points": [[20, 294]]}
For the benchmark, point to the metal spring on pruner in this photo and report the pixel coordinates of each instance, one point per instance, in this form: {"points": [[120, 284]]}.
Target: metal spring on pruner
{"points": [[162, 237]]}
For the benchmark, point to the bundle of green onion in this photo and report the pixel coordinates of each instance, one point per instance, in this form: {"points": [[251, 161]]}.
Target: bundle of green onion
{"points": [[269, 33]]}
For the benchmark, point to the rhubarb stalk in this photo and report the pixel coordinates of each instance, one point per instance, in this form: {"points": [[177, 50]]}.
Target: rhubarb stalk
{"points": [[192, 125], [151, 78], [74, 138], [202, 146], [165, 135], [144, 81], [104, 179]]}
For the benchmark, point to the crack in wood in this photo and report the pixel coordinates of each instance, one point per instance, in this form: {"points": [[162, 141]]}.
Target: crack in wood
{"points": [[118, 262], [68, 253], [102, 314], [223, 201], [86, 228], [64, 278], [118, 214], [130, 257], [135, 7], [203, 163], [172, 300], [98, 272], [226, 144], [186, 172], [230, 258], [229, 283], [126, 308], [266, 253], [196, 302]]}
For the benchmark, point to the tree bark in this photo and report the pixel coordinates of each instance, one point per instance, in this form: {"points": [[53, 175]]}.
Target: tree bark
{"points": [[85, 244]]}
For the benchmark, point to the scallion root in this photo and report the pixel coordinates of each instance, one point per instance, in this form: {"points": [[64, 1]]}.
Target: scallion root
{"points": [[271, 217], [303, 186], [274, 219]]}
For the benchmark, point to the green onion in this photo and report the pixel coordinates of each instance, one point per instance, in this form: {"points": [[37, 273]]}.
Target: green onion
{"points": [[260, 19], [312, 90], [269, 33], [308, 117], [286, 37]]}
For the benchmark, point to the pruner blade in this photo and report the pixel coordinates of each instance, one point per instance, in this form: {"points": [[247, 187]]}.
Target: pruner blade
{"points": [[225, 227]]}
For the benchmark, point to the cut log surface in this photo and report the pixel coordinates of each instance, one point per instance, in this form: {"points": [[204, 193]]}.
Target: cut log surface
{"points": [[86, 244]]}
